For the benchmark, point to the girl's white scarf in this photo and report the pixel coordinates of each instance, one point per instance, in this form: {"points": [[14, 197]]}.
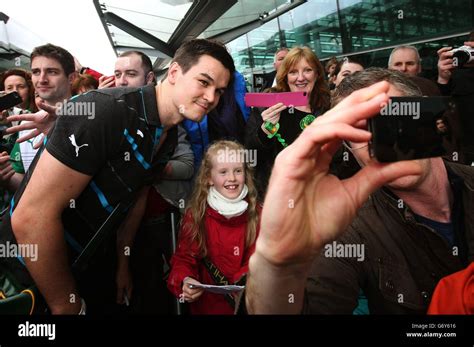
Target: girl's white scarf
{"points": [[228, 207]]}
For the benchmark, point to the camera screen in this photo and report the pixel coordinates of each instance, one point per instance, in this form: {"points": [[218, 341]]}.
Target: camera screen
{"points": [[417, 127]]}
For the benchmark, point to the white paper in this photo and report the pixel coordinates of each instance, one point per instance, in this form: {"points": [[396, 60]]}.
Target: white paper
{"points": [[218, 289]]}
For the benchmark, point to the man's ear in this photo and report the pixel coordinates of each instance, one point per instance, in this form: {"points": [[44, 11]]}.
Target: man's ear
{"points": [[72, 76], [150, 78], [173, 71]]}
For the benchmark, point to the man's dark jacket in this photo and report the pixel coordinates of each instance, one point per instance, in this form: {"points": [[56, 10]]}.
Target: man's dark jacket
{"points": [[403, 260]]}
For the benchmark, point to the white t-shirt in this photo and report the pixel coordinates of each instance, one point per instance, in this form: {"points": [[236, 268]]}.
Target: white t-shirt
{"points": [[26, 148]]}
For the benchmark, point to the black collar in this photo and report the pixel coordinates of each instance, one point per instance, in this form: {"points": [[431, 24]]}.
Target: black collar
{"points": [[148, 94]]}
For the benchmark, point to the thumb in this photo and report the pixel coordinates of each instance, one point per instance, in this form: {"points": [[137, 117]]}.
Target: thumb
{"points": [[48, 108], [375, 175]]}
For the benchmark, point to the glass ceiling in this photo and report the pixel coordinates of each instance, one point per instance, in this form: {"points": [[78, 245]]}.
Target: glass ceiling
{"points": [[158, 18], [173, 21], [242, 12], [17, 54]]}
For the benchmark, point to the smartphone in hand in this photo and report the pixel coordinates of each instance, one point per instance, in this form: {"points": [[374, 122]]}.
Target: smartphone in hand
{"points": [[414, 128], [9, 100], [269, 99]]}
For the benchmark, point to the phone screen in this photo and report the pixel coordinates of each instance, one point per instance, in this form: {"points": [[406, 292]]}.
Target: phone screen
{"points": [[416, 127], [269, 99], [9, 100]]}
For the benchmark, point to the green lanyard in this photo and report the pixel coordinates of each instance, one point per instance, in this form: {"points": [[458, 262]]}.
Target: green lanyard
{"points": [[273, 128]]}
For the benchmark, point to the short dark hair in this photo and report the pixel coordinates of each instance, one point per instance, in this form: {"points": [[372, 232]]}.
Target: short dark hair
{"points": [[146, 61], [346, 60], [58, 53], [189, 53], [370, 76]]}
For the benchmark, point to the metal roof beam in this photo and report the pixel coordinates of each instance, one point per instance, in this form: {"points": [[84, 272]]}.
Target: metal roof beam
{"points": [[138, 33], [98, 8], [199, 17], [232, 34]]}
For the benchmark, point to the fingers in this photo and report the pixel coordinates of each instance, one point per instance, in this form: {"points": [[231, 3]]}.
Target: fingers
{"points": [[6, 171], [6, 168], [194, 296], [309, 154], [20, 117], [20, 127], [443, 50], [313, 138], [189, 294], [272, 113], [39, 143], [189, 291], [106, 82], [330, 149], [28, 117], [445, 56], [32, 134], [469, 43], [5, 177], [51, 110], [360, 105], [4, 157], [276, 107], [375, 175], [363, 95]]}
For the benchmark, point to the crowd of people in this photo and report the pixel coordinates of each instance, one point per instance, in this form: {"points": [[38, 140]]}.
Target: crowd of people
{"points": [[296, 230]]}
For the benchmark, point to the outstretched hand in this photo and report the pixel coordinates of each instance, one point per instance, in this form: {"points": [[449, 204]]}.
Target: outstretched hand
{"points": [[40, 122], [305, 206]]}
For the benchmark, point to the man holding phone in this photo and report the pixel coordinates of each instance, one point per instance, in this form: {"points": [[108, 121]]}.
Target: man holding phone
{"points": [[132, 69], [458, 81], [413, 231]]}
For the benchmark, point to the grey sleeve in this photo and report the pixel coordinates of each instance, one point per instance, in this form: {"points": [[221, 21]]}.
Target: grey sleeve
{"points": [[182, 160]]}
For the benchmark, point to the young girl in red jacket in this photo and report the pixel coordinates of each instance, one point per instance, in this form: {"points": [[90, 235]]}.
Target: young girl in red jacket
{"points": [[218, 230]]}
